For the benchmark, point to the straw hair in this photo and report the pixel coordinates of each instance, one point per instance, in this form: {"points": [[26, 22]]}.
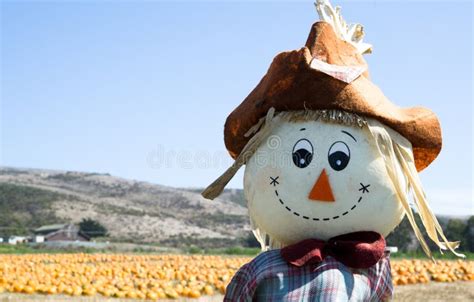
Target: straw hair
{"points": [[396, 150], [216, 188]]}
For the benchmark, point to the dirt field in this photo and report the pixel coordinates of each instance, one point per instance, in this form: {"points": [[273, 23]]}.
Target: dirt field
{"points": [[432, 292]]}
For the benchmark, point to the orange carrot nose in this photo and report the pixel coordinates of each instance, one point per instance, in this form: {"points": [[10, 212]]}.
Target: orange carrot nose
{"points": [[321, 190]]}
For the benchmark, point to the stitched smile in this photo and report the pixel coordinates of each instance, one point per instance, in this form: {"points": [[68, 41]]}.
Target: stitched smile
{"points": [[315, 218]]}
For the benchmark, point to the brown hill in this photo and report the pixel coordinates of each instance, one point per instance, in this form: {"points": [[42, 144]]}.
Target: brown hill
{"points": [[132, 211]]}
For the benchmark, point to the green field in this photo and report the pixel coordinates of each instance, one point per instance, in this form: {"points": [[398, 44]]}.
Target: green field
{"points": [[240, 251]]}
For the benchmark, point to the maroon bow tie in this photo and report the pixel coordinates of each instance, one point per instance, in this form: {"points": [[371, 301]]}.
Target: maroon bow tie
{"points": [[356, 250]]}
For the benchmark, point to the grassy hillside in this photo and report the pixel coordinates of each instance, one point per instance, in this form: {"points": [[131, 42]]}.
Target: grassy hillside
{"points": [[23, 208]]}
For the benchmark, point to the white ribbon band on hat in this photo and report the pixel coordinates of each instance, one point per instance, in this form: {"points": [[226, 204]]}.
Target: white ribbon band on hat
{"points": [[346, 74]]}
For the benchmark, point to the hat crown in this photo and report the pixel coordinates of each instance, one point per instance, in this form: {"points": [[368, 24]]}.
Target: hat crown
{"points": [[325, 45]]}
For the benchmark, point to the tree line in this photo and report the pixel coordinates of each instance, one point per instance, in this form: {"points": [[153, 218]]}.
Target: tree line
{"points": [[455, 229]]}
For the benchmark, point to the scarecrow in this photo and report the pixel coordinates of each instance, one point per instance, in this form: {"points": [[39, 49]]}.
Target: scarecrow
{"points": [[331, 168]]}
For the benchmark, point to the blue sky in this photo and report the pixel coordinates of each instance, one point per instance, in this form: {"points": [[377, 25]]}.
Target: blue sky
{"points": [[142, 89]]}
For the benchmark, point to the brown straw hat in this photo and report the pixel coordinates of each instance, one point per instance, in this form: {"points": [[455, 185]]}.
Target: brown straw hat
{"points": [[294, 83]]}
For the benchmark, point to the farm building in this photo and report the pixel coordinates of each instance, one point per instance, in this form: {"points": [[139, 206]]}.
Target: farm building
{"points": [[61, 232], [17, 239], [38, 239]]}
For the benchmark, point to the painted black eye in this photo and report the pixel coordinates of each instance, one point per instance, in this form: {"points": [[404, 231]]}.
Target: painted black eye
{"points": [[339, 156], [302, 153]]}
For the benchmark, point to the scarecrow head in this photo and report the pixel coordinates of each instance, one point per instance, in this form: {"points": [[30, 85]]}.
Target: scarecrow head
{"points": [[326, 152]]}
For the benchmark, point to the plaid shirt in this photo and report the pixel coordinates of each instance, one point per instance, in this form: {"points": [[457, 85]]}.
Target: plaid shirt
{"points": [[269, 277]]}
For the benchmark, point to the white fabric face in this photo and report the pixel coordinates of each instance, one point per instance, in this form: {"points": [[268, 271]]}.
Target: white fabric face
{"points": [[281, 174]]}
